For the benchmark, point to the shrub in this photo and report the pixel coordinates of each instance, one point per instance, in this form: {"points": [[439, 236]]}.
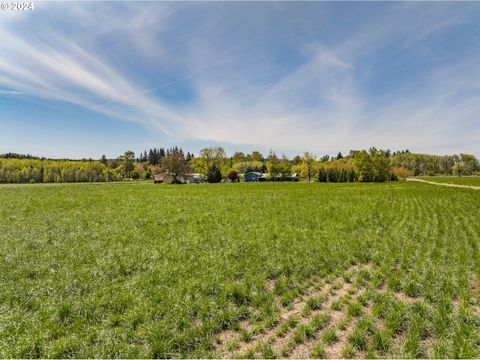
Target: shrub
{"points": [[135, 174], [401, 172], [233, 176]]}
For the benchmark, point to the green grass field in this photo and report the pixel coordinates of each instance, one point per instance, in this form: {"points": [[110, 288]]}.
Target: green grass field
{"points": [[464, 180], [239, 270]]}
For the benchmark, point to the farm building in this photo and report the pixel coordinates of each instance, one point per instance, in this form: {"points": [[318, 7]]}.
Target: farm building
{"points": [[187, 179], [255, 176], [159, 178], [195, 178]]}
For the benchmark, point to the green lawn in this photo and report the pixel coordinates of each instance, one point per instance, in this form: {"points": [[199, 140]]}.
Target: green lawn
{"points": [[143, 270], [464, 180]]}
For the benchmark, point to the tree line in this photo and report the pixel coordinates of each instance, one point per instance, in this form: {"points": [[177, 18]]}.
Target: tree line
{"points": [[422, 164], [48, 171], [213, 164]]}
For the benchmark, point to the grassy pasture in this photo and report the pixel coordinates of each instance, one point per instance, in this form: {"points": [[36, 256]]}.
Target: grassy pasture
{"points": [[464, 180], [239, 270]]}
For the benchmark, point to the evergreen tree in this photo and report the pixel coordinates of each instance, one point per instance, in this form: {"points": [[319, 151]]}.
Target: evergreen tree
{"points": [[322, 174], [297, 160], [151, 157], [214, 175]]}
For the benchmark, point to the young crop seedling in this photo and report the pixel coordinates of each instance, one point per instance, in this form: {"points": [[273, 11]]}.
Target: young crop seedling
{"points": [[290, 323], [354, 309], [303, 332], [348, 351], [381, 341], [337, 305], [314, 303], [318, 352], [330, 336]]}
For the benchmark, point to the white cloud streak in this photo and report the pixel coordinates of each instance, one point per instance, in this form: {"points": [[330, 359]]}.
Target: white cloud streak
{"points": [[10, 92], [321, 103], [59, 69]]}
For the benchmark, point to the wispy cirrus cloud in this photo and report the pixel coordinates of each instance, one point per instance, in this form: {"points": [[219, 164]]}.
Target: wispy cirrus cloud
{"points": [[10, 92], [290, 76], [63, 68]]}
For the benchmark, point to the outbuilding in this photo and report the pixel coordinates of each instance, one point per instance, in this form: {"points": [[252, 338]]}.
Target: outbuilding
{"points": [[181, 179], [254, 176], [194, 178], [159, 178]]}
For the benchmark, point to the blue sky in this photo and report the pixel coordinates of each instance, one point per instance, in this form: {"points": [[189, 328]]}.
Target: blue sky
{"points": [[82, 79]]}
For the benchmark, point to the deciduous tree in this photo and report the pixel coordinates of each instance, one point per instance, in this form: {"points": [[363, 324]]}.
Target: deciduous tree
{"points": [[174, 165], [309, 161], [127, 160], [209, 158]]}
